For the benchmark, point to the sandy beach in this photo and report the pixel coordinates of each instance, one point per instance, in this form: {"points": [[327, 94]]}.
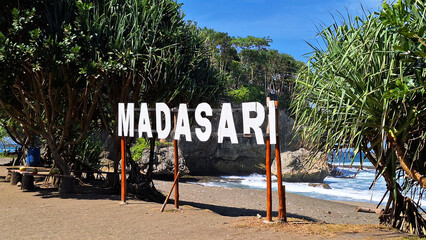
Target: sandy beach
{"points": [[205, 213]]}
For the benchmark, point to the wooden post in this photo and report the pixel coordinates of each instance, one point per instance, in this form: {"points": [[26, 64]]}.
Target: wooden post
{"points": [[268, 174], [15, 177], [168, 195], [67, 185], [123, 170], [176, 175], [27, 182], [282, 213], [284, 205]]}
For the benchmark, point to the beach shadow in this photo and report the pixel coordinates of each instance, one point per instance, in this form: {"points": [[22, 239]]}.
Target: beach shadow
{"points": [[240, 212], [81, 192], [92, 190]]}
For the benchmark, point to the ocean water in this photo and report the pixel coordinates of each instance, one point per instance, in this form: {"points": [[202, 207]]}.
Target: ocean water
{"points": [[347, 158], [342, 189], [10, 149], [354, 185]]}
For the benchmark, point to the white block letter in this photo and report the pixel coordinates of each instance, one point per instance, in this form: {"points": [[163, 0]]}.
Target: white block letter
{"points": [[182, 123], [126, 120], [226, 125], [144, 124], [272, 123], [163, 108], [253, 123], [203, 122]]}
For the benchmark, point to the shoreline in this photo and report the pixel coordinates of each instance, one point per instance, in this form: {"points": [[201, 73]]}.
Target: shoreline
{"points": [[317, 191], [250, 202]]}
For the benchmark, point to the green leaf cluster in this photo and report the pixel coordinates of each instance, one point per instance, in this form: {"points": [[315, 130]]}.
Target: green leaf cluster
{"points": [[247, 93], [137, 149], [89, 151]]}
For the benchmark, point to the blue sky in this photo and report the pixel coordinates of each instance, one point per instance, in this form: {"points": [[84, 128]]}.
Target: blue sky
{"points": [[289, 23]]}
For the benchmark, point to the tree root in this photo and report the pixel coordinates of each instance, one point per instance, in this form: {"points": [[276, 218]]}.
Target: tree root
{"points": [[403, 214], [142, 187]]}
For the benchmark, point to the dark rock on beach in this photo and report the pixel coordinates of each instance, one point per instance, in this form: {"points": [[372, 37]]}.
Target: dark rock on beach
{"points": [[319, 185], [163, 161], [297, 167]]}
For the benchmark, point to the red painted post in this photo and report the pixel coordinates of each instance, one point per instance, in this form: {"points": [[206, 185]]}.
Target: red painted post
{"points": [[268, 174], [268, 181], [282, 214], [176, 175], [123, 170]]}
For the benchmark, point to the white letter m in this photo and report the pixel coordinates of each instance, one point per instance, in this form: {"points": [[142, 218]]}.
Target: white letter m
{"points": [[126, 121]]}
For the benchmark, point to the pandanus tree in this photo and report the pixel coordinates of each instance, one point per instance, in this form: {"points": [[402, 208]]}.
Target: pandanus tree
{"points": [[42, 89], [149, 54], [65, 65], [365, 89]]}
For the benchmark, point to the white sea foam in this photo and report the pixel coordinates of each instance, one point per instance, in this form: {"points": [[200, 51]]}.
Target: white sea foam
{"points": [[342, 188]]}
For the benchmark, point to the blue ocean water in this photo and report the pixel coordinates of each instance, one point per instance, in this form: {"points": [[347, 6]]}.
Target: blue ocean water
{"points": [[347, 158], [354, 185], [10, 149], [10, 145], [342, 189]]}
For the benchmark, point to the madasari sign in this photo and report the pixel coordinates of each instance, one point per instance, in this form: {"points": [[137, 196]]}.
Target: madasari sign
{"points": [[203, 130]]}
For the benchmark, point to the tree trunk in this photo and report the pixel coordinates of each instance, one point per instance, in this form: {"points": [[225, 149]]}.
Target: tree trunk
{"points": [[59, 160], [151, 157], [405, 164], [400, 212], [113, 180], [20, 158], [117, 156], [140, 185]]}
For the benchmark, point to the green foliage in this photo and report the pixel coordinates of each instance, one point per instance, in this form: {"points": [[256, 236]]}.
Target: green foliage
{"points": [[366, 91], [142, 144], [164, 55], [89, 151], [247, 93], [248, 62], [138, 148], [3, 135], [251, 42], [5, 153], [42, 90]]}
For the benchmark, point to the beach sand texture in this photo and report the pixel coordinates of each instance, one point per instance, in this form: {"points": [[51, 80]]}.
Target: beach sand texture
{"points": [[205, 213]]}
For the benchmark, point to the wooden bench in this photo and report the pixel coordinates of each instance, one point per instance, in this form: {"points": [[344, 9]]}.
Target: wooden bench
{"points": [[66, 183], [27, 178], [28, 169], [96, 173]]}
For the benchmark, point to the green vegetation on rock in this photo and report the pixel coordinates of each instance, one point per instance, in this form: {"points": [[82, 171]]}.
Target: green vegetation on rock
{"points": [[138, 148]]}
